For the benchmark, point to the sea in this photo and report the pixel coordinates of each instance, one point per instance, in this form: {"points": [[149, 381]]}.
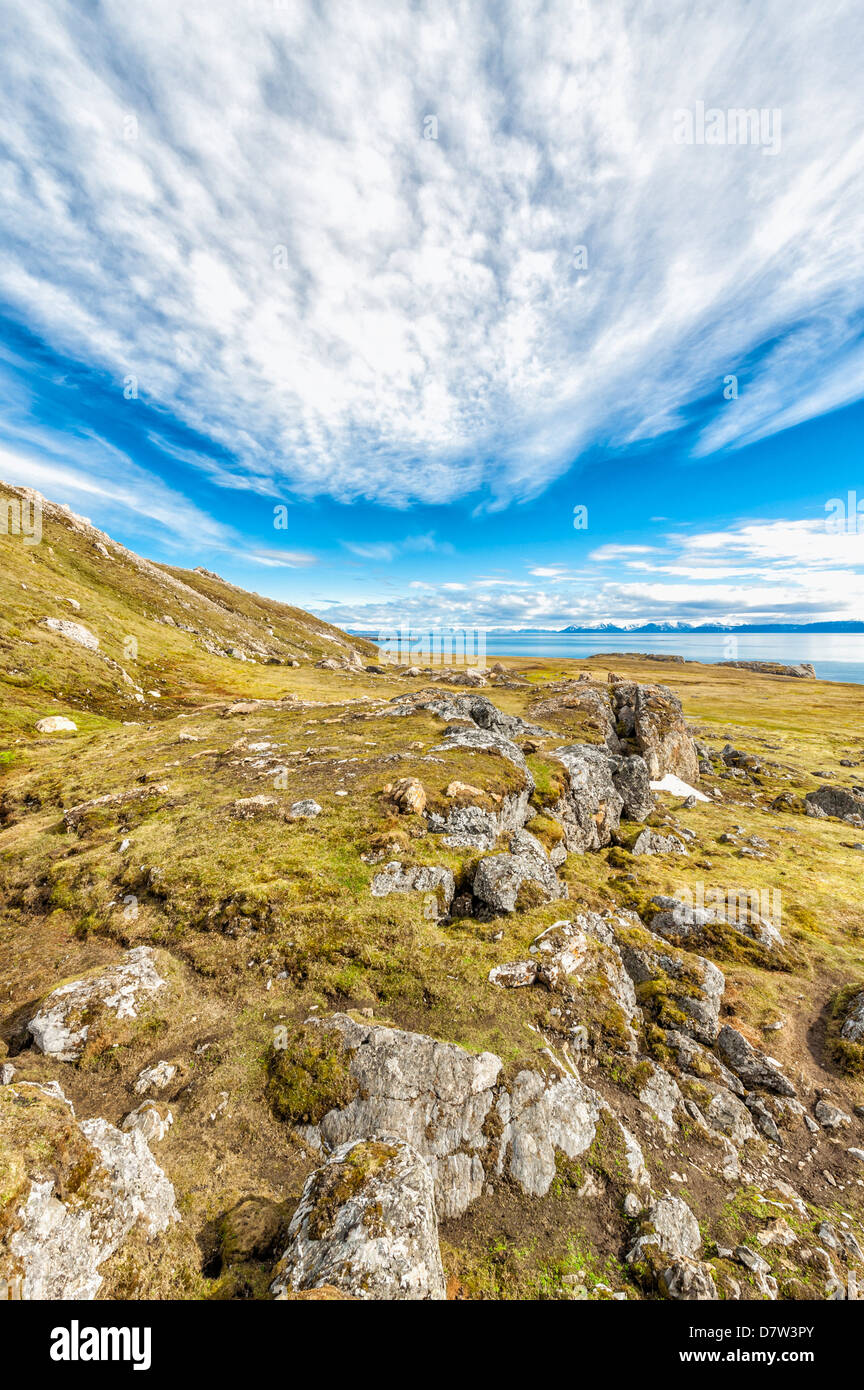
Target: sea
{"points": [[835, 656]]}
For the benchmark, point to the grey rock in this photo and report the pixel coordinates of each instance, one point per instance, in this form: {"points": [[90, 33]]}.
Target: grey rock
{"points": [[829, 1116], [304, 809], [590, 808], [59, 1240], [155, 1078], [59, 1028], [853, 1024], [753, 1067], [751, 1260], [366, 1224], [650, 842], [671, 1226], [437, 1097], [839, 802], [73, 632], [498, 879], [688, 1280], [417, 878], [633, 784]]}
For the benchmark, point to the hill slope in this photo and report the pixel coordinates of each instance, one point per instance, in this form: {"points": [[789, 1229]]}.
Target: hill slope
{"points": [[184, 634]]}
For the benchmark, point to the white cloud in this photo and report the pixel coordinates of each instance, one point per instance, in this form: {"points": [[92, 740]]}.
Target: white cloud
{"points": [[426, 328]]}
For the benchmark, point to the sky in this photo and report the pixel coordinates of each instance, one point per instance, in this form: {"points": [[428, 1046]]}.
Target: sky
{"points": [[442, 312]]}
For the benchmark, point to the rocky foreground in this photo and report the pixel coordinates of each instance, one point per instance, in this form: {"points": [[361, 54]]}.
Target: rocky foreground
{"points": [[325, 979]]}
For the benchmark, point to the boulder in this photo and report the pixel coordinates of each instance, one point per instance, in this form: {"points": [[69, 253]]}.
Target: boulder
{"points": [[659, 731], [589, 810], [651, 842], [73, 1192], [840, 802], [633, 784], [689, 1280], [73, 632], [670, 1227], [853, 1024], [448, 1105], [65, 1018], [305, 809], [366, 1225], [500, 878], [755, 1069], [408, 796], [416, 878], [56, 724]]}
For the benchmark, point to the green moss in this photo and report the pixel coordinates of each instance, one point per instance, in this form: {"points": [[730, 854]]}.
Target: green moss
{"points": [[307, 1075]]}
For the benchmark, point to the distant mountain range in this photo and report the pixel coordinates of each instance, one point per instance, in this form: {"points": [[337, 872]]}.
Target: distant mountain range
{"points": [[845, 626], [634, 629]]}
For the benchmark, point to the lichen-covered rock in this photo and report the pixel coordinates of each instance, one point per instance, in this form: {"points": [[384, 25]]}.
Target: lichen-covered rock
{"points": [[753, 1067], [589, 810], [500, 878], [305, 809], [651, 842], [727, 1114], [684, 990], [853, 1024], [659, 731], [540, 1119], [841, 802], [73, 632], [633, 784], [685, 924], [149, 1120], [366, 1224], [669, 1226], [435, 1096], [695, 1059], [408, 796], [88, 813], [66, 1017], [416, 878], [72, 1192], [448, 1105], [689, 1280], [56, 724], [662, 1097]]}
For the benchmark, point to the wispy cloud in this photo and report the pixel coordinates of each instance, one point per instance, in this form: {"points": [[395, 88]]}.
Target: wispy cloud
{"points": [[201, 197]]}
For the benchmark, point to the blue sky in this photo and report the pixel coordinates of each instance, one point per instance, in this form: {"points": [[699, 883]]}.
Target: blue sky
{"points": [[236, 275]]}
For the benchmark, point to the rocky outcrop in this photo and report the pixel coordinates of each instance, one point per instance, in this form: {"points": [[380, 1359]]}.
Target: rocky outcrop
{"points": [[853, 1024], [87, 813], [680, 985], [77, 1191], [685, 924], [652, 842], [525, 875], [650, 721], [66, 1017], [449, 1106], [589, 810], [73, 632], [430, 879], [758, 1072], [840, 802], [56, 724], [804, 670], [366, 1225]]}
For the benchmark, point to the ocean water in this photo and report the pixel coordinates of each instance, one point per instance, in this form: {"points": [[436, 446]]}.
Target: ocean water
{"points": [[835, 656]]}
